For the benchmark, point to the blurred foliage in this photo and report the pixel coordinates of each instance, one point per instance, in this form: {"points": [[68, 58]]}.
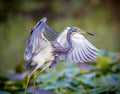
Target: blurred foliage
{"points": [[16, 21], [101, 17], [102, 77]]}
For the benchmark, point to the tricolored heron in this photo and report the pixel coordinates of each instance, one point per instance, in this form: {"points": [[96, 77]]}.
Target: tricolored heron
{"points": [[70, 45]]}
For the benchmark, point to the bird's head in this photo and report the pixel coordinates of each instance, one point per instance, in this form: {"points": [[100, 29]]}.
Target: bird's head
{"points": [[80, 31]]}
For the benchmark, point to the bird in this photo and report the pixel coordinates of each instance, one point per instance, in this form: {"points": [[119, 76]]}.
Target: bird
{"points": [[45, 47]]}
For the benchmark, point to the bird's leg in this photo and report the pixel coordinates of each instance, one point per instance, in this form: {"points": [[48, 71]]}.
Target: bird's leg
{"points": [[28, 79], [47, 65], [34, 84]]}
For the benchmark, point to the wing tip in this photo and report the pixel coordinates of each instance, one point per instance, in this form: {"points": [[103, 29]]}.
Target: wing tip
{"points": [[44, 19]]}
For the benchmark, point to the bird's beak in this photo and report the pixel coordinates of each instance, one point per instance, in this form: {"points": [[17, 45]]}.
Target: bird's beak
{"points": [[83, 32]]}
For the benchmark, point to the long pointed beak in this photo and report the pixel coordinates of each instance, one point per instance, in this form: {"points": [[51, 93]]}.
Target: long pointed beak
{"points": [[84, 32], [90, 34]]}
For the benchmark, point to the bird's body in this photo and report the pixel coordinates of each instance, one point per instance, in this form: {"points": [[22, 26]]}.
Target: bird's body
{"points": [[70, 45], [44, 56]]}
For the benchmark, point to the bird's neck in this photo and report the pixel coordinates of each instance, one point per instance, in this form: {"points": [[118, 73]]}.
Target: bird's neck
{"points": [[69, 42], [66, 50]]}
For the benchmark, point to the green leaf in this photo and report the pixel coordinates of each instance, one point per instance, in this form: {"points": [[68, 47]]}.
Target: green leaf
{"points": [[86, 79], [60, 85]]}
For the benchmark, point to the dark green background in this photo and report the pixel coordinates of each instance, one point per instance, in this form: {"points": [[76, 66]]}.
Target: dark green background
{"points": [[100, 17]]}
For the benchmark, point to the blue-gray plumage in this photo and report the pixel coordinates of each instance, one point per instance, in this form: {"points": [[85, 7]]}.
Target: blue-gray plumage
{"points": [[70, 45]]}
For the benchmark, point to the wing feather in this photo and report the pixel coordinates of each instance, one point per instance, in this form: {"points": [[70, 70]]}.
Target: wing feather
{"points": [[89, 51], [85, 59], [61, 39], [83, 50], [88, 55], [76, 58], [80, 56], [37, 39]]}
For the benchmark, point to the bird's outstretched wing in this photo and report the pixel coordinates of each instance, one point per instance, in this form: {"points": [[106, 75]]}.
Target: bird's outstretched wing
{"points": [[40, 36], [82, 50]]}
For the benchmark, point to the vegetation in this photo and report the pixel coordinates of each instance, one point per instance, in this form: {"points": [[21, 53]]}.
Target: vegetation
{"points": [[95, 16], [102, 77]]}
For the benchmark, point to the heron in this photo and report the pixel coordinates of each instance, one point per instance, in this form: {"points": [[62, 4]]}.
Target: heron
{"points": [[45, 47]]}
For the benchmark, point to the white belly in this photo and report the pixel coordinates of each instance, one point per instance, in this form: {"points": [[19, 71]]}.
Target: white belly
{"points": [[45, 55]]}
